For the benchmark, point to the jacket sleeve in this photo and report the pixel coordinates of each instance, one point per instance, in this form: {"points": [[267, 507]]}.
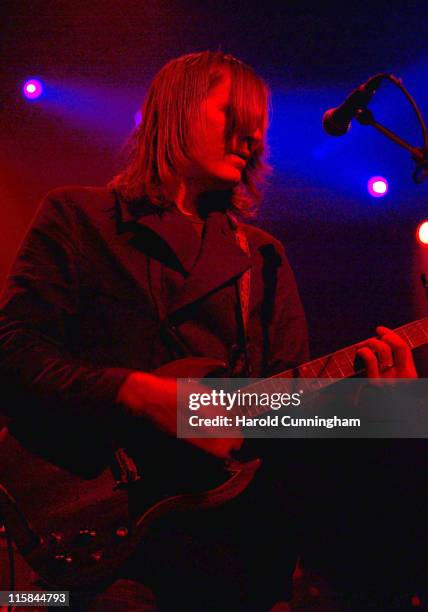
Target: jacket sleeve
{"points": [[41, 293], [288, 335]]}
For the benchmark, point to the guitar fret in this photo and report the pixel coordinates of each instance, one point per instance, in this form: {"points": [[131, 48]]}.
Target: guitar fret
{"points": [[276, 386], [406, 336], [350, 353], [345, 363], [304, 370], [322, 368], [419, 335], [324, 371], [331, 369], [415, 333], [337, 363]]}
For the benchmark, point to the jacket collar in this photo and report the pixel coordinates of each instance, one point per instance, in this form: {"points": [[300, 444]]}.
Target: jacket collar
{"points": [[163, 233], [220, 261], [168, 236]]}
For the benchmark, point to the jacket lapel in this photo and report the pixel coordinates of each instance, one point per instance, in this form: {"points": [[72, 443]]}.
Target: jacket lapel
{"points": [[168, 237], [164, 235], [176, 238], [220, 260]]}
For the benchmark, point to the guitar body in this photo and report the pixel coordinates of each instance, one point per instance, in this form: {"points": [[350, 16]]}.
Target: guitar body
{"points": [[76, 531]]}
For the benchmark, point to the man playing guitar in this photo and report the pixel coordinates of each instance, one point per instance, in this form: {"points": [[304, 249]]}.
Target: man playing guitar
{"points": [[112, 283]]}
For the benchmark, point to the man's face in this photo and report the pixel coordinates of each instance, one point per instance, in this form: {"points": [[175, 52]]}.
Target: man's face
{"points": [[215, 163]]}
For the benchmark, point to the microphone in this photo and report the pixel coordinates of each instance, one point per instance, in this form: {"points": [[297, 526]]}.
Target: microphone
{"points": [[337, 121]]}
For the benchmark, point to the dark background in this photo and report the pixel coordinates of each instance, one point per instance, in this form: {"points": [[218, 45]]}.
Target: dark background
{"points": [[356, 258]]}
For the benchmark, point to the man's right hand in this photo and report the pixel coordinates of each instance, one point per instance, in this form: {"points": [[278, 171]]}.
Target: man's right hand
{"points": [[155, 398]]}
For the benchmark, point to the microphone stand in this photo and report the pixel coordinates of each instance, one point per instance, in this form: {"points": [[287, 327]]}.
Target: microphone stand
{"points": [[419, 154], [424, 284]]}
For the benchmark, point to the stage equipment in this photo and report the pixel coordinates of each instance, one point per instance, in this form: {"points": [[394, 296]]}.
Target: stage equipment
{"points": [[336, 121], [32, 89]]}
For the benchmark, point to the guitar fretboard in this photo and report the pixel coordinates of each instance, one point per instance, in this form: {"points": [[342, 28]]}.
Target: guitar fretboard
{"points": [[327, 370]]}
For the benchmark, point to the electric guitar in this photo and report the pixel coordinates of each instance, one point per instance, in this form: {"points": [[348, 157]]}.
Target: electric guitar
{"points": [[76, 531]]}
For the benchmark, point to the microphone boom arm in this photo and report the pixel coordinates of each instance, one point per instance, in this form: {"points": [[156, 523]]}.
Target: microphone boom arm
{"points": [[336, 121], [419, 154]]}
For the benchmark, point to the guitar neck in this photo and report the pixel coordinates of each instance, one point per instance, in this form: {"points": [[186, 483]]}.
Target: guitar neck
{"points": [[336, 366], [341, 364]]}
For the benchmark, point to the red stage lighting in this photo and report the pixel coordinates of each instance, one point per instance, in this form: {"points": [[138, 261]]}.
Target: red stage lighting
{"points": [[422, 233]]}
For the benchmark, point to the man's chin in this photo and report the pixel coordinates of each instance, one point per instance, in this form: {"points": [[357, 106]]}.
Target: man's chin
{"points": [[226, 181], [220, 182]]}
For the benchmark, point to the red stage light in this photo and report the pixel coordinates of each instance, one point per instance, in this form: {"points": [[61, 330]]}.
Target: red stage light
{"points": [[415, 601], [422, 233]]}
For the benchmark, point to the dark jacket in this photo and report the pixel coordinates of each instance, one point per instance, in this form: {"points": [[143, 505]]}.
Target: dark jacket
{"points": [[96, 290], [99, 291]]}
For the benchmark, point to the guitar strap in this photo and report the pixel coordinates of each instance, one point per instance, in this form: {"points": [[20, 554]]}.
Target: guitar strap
{"points": [[244, 282], [240, 362], [124, 469]]}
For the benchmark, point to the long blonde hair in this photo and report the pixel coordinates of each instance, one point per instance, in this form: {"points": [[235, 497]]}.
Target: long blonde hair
{"points": [[159, 145]]}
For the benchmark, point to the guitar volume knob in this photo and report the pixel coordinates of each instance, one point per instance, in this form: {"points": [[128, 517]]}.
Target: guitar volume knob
{"points": [[122, 532], [84, 537]]}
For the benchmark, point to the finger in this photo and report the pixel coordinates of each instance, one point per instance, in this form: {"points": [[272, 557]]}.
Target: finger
{"points": [[370, 361], [399, 348], [383, 353]]}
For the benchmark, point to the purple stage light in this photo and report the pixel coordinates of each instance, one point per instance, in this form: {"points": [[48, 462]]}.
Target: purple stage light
{"points": [[32, 89], [138, 117], [377, 186]]}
